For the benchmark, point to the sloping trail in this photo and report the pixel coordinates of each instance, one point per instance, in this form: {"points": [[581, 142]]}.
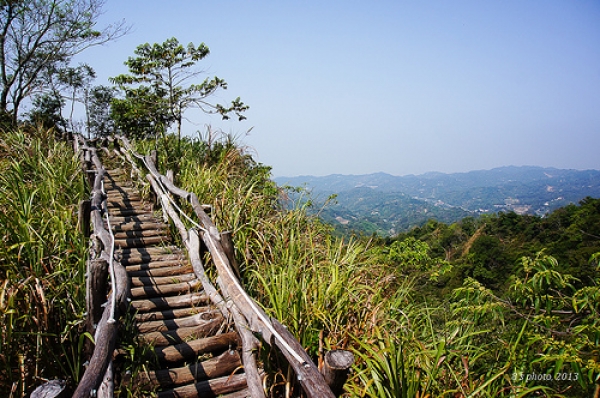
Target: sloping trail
{"points": [[195, 348], [189, 338]]}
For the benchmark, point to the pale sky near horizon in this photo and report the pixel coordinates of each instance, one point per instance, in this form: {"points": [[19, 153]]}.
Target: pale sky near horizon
{"points": [[402, 87]]}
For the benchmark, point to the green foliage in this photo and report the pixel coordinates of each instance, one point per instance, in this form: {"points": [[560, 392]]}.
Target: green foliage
{"points": [[42, 261], [98, 108], [158, 90], [46, 111], [444, 310], [38, 36], [140, 114]]}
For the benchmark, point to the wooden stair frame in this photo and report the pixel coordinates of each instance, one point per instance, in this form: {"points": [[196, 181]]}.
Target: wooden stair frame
{"points": [[177, 309]]}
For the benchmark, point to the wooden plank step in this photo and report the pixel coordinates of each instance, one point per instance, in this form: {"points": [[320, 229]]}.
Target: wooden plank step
{"points": [[114, 191], [170, 313], [182, 336], [245, 393], [165, 290], [126, 203], [129, 213], [132, 256], [167, 249], [142, 241], [159, 269], [143, 258], [205, 317], [137, 233], [166, 303], [193, 348], [161, 280], [138, 226], [207, 389], [214, 367], [114, 219]]}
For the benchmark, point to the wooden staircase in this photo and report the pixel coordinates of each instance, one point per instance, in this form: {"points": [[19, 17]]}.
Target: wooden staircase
{"points": [[195, 349], [167, 330]]}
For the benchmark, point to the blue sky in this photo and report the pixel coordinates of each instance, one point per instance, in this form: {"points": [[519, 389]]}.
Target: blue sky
{"points": [[403, 87]]}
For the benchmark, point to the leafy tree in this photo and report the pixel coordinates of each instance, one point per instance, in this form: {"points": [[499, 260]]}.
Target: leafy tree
{"points": [[46, 111], [98, 108], [37, 36], [159, 87], [77, 81], [140, 114]]}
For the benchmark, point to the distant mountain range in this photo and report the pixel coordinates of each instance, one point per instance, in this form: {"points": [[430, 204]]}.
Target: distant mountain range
{"points": [[388, 204]]}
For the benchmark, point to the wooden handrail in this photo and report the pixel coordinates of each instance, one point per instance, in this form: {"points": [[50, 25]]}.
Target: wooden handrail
{"points": [[271, 331], [97, 379]]}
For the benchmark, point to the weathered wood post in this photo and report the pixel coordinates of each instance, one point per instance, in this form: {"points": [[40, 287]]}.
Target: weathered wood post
{"points": [[83, 217], [96, 291], [154, 157], [227, 243], [336, 368], [50, 389], [170, 176]]}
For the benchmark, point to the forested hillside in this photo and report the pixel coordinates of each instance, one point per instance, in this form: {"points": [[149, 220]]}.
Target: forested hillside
{"points": [[385, 204]]}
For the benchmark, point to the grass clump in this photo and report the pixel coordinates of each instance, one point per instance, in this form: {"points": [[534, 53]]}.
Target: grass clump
{"points": [[42, 261]]}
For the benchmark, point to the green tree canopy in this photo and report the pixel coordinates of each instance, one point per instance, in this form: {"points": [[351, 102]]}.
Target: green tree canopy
{"points": [[36, 36], [159, 88]]}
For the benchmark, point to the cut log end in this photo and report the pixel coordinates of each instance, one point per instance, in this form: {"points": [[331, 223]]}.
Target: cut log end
{"points": [[335, 370]]}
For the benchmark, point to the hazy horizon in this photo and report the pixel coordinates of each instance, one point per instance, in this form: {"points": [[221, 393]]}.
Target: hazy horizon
{"points": [[429, 172], [406, 87]]}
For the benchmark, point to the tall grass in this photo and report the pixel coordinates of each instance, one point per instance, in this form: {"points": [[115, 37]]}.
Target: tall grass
{"points": [[338, 293], [42, 261]]}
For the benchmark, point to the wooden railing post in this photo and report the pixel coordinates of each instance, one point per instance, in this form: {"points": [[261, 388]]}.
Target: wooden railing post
{"points": [[227, 243], [336, 368], [97, 277], [83, 217], [154, 157]]}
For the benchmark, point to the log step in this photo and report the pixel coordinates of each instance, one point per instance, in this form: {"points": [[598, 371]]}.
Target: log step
{"points": [[142, 241], [193, 348], [129, 212], [128, 219], [166, 303], [208, 389], [245, 393], [165, 290], [137, 281], [206, 317], [182, 336], [138, 226], [170, 313], [136, 233], [159, 269], [148, 255], [217, 366]]}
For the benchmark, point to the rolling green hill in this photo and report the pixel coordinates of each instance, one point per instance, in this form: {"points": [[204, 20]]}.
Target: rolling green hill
{"points": [[388, 204]]}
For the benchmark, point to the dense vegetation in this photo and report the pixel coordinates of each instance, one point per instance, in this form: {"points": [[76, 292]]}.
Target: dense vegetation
{"points": [[502, 305], [42, 261], [472, 308]]}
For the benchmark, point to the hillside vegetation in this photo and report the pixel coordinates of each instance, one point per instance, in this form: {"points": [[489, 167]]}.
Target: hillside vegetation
{"points": [[505, 305], [476, 308], [42, 261], [387, 205]]}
